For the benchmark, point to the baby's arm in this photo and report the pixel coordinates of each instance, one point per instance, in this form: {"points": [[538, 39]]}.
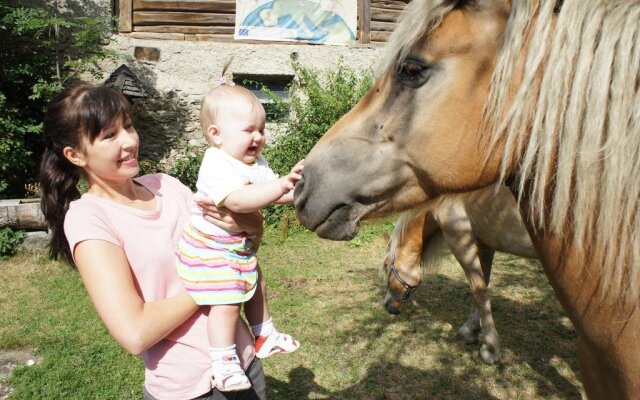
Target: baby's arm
{"points": [[253, 197]]}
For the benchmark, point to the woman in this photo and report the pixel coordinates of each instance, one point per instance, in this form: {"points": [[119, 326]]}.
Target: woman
{"points": [[121, 236]]}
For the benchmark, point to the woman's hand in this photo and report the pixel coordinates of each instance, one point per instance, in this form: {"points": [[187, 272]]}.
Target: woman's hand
{"points": [[229, 220]]}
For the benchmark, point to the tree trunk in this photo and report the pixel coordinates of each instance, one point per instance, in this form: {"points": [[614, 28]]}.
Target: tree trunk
{"points": [[22, 214]]}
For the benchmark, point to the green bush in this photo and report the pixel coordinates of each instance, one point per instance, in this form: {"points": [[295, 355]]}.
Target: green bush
{"points": [[10, 240], [39, 53], [316, 101], [186, 169]]}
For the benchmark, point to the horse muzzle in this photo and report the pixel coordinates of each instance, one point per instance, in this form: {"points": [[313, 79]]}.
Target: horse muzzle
{"points": [[321, 209], [392, 305]]}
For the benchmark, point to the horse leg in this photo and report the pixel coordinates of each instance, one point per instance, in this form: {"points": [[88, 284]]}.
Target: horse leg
{"points": [[469, 332], [470, 254]]}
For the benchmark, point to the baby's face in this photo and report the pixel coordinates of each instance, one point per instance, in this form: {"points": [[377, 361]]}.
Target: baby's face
{"points": [[241, 129]]}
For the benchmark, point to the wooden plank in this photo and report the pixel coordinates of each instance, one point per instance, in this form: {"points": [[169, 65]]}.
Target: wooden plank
{"points": [[380, 14], [390, 4], [380, 36], [377, 26], [221, 6], [190, 29], [124, 16], [154, 35], [364, 21], [181, 18]]}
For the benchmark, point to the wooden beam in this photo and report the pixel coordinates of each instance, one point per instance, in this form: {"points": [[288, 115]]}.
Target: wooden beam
{"points": [[380, 36], [384, 15], [391, 4], [124, 15], [220, 6], [377, 26], [223, 31], [181, 18], [154, 35], [364, 21]]}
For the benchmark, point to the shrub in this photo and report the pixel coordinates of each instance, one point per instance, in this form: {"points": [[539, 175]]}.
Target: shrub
{"points": [[10, 240], [186, 169], [316, 101], [39, 53]]}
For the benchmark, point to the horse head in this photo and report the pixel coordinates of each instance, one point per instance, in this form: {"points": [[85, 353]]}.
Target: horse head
{"points": [[392, 150]]}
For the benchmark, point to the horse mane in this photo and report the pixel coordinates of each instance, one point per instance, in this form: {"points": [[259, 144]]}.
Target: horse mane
{"points": [[568, 120], [418, 18], [571, 127]]}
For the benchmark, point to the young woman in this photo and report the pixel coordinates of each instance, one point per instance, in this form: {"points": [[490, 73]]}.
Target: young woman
{"points": [[121, 236]]}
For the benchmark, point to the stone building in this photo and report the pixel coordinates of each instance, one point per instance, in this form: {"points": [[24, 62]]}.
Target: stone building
{"points": [[177, 50]]}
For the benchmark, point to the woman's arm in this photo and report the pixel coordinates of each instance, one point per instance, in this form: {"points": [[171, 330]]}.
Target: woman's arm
{"points": [[229, 220], [134, 324]]}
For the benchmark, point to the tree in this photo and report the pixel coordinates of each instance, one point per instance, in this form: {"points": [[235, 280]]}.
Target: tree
{"points": [[40, 52]]}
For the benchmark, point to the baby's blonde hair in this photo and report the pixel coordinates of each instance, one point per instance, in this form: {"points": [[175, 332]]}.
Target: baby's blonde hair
{"points": [[216, 98]]}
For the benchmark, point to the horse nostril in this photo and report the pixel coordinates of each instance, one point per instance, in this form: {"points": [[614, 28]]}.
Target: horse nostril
{"points": [[298, 200], [391, 305]]}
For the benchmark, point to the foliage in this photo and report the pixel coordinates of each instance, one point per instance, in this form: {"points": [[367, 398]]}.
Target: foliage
{"points": [[39, 53], [10, 240], [316, 101], [186, 169]]}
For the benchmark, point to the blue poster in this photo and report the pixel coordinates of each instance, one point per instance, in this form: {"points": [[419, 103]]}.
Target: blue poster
{"points": [[310, 21]]}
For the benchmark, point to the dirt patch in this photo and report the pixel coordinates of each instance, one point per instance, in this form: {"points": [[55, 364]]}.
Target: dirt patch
{"points": [[9, 359]]}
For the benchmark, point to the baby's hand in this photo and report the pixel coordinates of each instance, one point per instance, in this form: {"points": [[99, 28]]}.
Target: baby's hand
{"points": [[289, 182]]}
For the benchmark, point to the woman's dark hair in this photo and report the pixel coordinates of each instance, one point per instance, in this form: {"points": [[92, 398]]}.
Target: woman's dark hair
{"points": [[79, 112]]}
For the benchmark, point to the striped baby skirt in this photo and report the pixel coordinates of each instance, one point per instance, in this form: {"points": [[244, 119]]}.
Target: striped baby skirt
{"points": [[216, 269]]}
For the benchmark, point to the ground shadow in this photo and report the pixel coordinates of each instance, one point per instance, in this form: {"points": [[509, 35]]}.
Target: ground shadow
{"points": [[535, 334], [384, 380]]}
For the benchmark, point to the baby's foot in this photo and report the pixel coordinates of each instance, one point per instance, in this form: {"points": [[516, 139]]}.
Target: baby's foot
{"points": [[275, 343], [228, 375]]}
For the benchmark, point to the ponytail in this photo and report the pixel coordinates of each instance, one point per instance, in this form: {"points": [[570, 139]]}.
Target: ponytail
{"points": [[58, 181], [79, 112]]}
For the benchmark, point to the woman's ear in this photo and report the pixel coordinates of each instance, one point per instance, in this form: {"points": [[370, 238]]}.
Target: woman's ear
{"points": [[213, 135], [75, 157]]}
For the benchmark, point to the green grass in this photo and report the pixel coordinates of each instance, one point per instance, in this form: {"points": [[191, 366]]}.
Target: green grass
{"points": [[328, 295]]}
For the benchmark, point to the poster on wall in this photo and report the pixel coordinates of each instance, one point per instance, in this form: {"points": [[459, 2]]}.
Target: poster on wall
{"points": [[310, 21]]}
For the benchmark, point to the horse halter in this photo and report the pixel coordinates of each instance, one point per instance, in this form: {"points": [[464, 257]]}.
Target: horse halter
{"points": [[408, 289]]}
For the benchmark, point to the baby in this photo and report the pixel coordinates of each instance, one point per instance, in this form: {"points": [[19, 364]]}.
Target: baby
{"points": [[218, 267]]}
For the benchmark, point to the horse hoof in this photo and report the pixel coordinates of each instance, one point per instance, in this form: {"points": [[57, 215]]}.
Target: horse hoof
{"points": [[489, 353], [466, 336]]}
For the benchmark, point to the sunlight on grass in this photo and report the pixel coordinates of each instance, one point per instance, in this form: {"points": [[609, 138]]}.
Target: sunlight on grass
{"points": [[328, 295]]}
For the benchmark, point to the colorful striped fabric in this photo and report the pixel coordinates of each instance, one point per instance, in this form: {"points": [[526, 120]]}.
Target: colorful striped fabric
{"points": [[216, 269]]}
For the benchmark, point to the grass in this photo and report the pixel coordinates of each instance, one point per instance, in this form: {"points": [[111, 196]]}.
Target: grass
{"points": [[328, 295]]}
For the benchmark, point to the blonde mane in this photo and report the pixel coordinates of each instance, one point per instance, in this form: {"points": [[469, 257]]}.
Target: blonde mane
{"points": [[572, 129], [569, 120]]}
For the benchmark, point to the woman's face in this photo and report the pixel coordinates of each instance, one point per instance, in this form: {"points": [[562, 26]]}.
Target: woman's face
{"points": [[113, 156]]}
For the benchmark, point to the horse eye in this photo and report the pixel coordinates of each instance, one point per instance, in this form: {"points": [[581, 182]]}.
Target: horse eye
{"points": [[413, 74]]}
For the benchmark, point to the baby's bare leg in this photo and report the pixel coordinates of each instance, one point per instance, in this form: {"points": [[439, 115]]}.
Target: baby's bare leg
{"points": [[257, 309], [221, 327]]}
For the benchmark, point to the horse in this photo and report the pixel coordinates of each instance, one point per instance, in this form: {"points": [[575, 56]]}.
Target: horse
{"points": [[542, 96], [474, 225]]}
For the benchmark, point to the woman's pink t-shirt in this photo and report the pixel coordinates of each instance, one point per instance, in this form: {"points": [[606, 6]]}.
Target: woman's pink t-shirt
{"points": [[179, 366]]}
